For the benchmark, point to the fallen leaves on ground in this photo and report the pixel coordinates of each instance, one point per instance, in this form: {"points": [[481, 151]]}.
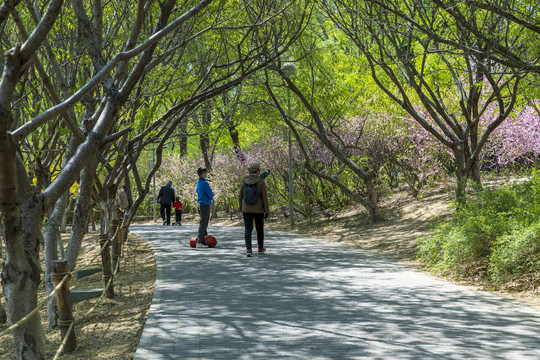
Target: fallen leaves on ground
{"points": [[113, 329]]}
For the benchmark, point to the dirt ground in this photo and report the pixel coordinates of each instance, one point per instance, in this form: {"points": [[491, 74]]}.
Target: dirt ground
{"points": [[404, 221], [113, 329]]}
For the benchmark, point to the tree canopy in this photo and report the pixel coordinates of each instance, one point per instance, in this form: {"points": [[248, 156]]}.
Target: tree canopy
{"points": [[374, 94]]}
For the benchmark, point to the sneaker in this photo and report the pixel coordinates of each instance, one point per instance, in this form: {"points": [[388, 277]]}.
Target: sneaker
{"points": [[199, 244], [249, 253], [262, 250], [164, 222]]}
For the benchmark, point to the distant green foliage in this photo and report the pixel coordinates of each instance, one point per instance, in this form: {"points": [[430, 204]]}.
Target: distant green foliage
{"points": [[496, 236]]}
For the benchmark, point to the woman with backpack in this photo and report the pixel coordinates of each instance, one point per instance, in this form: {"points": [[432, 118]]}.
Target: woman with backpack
{"points": [[253, 201]]}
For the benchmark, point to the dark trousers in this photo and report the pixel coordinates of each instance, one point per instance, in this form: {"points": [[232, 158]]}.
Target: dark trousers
{"points": [[204, 215], [259, 226], [178, 214], [166, 210]]}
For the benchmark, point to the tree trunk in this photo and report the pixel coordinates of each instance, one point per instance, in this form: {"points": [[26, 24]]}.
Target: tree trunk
{"points": [[105, 217], [373, 196], [461, 176], [203, 141], [21, 279], [476, 176], [51, 254], [92, 219], [53, 238], [65, 217], [235, 137], [21, 270], [461, 184], [227, 116], [53, 241], [19, 206], [65, 311], [81, 212], [3, 314]]}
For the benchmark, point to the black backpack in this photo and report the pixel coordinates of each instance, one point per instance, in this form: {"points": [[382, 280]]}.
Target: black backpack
{"points": [[250, 194]]}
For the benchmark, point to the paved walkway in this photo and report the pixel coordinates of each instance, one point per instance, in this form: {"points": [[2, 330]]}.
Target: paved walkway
{"points": [[313, 300]]}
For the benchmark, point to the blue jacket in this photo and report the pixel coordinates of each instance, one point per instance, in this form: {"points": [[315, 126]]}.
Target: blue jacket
{"points": [[205, 194]]}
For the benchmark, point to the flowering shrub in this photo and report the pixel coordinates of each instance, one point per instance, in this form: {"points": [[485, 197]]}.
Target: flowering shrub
{"points": [[414, 157], [226, 173], [228, 169], [515, 143], [396, 150], [393, 150]]}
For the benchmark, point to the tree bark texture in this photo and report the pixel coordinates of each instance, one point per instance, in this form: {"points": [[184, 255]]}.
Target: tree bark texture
{"points": [[68, 211], [3, 314], [21, 270], [116, 248], [65, 314], [105, 246], [81, 213], [53, 241]]}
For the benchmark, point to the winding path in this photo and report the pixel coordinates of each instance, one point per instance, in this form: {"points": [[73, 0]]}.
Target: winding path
{"points": [[308, 299]]}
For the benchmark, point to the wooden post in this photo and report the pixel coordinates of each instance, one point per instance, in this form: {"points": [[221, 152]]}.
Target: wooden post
{"points": [[116, 245], [106, 262], [65, 315]]}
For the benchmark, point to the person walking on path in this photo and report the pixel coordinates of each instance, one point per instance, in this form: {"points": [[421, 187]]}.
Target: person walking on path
{"points": [[178, 211], [122, 201], [204, 199], [253, 201], [166, 196]]}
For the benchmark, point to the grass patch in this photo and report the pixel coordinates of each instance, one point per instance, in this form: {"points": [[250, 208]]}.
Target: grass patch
{"points": [[494, 238]]}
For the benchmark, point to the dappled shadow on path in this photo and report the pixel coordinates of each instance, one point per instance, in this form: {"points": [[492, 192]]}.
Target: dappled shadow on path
{"points": [[306, 300]]}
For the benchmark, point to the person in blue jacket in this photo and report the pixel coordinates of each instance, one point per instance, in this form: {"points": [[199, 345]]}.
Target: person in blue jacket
{"points": [[204, 199]]}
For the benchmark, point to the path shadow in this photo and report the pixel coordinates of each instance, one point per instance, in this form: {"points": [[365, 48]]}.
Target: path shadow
{"points": [[307, 300]]}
